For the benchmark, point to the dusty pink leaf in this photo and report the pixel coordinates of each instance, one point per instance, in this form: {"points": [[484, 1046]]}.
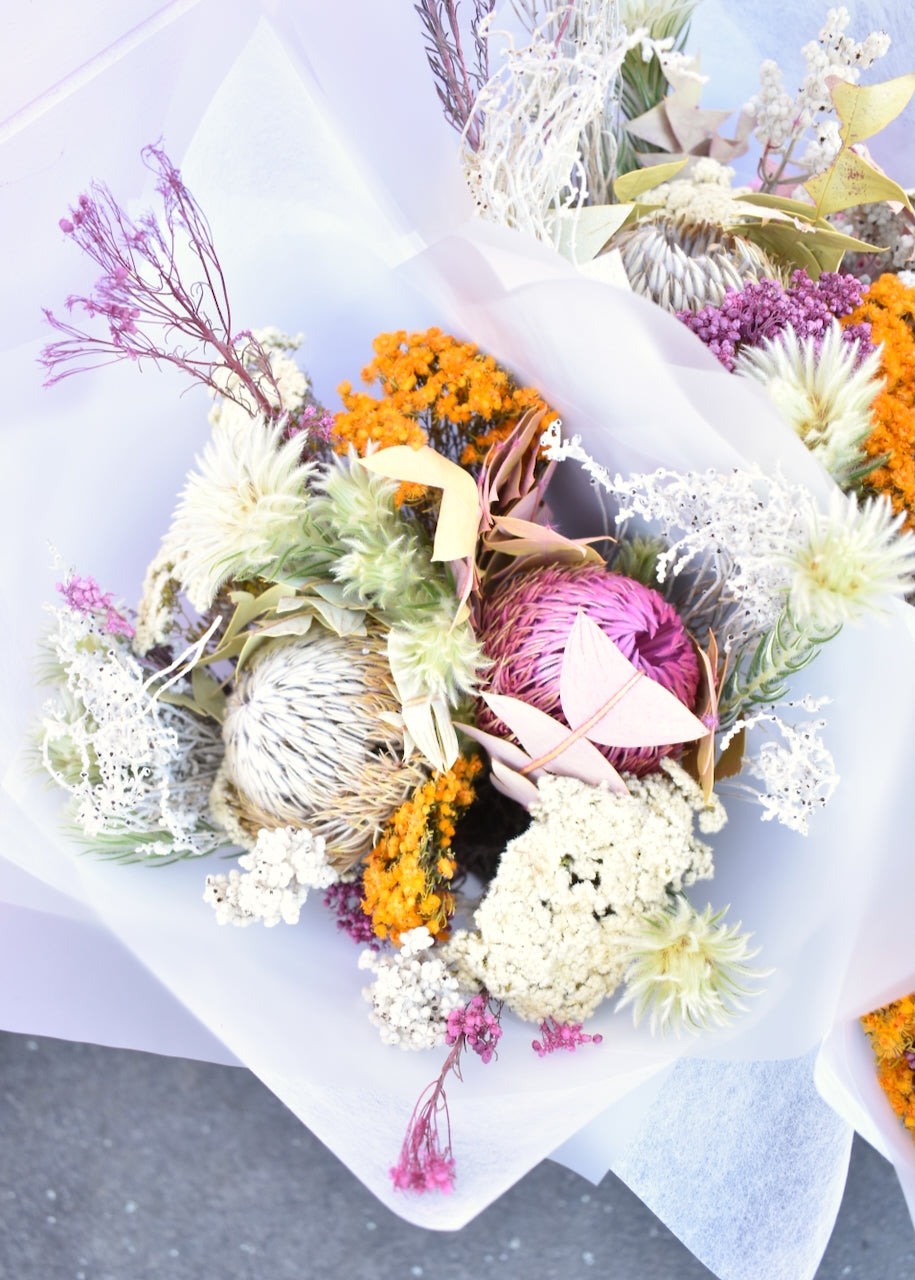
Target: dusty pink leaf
{"points": [[640, 712]]}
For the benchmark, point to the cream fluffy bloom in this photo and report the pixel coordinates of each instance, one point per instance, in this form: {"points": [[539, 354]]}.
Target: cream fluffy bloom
{"points": [[820, 393], [241, 513], [848, 562]]}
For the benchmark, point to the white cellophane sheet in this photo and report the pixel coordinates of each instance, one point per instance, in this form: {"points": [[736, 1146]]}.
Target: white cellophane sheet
{"points": [[337, 211]]}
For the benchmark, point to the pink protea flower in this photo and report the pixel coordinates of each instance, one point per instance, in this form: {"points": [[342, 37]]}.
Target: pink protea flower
{"points": [[526, 622]]}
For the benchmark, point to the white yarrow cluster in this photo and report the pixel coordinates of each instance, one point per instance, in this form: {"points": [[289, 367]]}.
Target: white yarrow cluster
{"points": [[705, 195], [286, 388], [283, 866], [138, 769], [412, 993], [550, 933]]}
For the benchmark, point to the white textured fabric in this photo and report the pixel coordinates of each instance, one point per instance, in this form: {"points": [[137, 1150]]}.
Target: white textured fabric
{"points": [[324, 173]]}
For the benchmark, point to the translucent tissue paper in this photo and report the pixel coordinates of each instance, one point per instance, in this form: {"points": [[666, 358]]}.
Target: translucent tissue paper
{"points": [[337, 210]]}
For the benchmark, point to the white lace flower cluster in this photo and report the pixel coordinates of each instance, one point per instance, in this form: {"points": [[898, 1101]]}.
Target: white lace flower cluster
{"points": [[781, 120], [412, 993], [797, 770], [550, 937], [139, 770], [283, 866], [706, 195], [290, 387]]}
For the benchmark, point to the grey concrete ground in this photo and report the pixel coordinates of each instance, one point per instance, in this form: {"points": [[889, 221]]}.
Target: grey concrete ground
{"points": [[117, 1165]]}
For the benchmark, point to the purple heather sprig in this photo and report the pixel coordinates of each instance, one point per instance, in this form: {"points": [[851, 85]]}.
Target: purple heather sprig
{"points": [[426, 1162], [344, 900], [84, 595], [561, 1035], [763, 309], [151, 313]]}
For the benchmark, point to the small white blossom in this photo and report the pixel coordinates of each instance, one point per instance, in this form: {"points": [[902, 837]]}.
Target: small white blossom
{"points": [[412, 993], [283, 866]]}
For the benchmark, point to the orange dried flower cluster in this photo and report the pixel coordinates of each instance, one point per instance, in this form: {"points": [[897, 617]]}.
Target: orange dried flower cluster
{"points": [[892, 1035], [887, 307], [407, 872], [437, 391]]}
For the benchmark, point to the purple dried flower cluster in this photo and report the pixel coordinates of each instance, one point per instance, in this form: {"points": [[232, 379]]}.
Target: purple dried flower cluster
{"points": [[763, 309], [478, 1025], [526, 623], [426, 1162], [149, 310], [561, 1035], [314, 424], [345, 901], [84, 595]]}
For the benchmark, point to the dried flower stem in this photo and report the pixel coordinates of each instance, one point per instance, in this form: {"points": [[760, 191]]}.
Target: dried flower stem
{"points": [[151, 312]]}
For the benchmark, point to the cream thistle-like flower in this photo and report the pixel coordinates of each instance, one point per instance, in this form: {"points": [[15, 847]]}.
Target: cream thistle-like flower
{"points": [[314, 738], [688, 970], [848, 562], [822, 393], [279, 871], [241, 514]]}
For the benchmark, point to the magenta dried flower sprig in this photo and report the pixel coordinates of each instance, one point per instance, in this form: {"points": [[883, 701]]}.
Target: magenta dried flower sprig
{"points": [[426, 1162], [149, 310], [763, 309], [561, 1035]]}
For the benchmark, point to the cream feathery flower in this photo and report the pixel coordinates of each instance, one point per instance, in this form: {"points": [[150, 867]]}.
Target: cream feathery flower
{"points": [[848, 562], [820, 393], [687, 970], [241, 514]]}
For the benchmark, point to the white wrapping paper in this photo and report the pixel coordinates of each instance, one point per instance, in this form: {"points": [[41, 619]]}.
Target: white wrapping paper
{"points": [[325, 169]]}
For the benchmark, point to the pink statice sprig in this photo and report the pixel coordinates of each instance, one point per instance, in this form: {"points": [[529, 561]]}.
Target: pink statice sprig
{"points": [[561, 1035], [149, 310], [84, 595], [426, 1161]]}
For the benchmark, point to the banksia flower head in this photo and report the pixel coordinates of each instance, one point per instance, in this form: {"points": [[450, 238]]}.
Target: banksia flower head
{"points": [[526, 624], [312, 740], [682, 265]]}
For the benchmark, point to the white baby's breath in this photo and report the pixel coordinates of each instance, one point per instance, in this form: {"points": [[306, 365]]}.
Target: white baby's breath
{"points": [[412, 993], [283, 866]]}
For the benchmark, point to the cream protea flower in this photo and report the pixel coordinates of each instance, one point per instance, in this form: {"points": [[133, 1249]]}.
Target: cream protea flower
{"points": [[820, 391], [680, 264], [848, 563], [687, 970], [313, 739], [241, 514]]}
